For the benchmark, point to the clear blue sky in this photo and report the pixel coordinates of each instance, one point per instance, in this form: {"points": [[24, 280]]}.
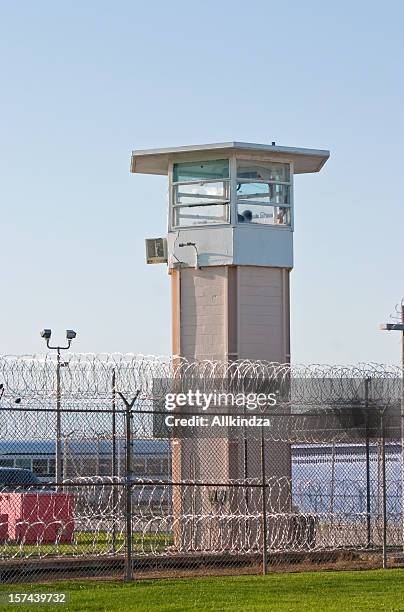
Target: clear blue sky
{"points": [[83, 83]]}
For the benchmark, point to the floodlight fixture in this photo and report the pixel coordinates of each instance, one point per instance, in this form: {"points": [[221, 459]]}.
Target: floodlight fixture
{"points": [[392, 327], [70, 335]]}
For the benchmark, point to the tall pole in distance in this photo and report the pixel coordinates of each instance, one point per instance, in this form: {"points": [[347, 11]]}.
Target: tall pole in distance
{"points": [[402, 419], [113, 458], [70, 335], [368, 505], [384, 492], [400, 327]]}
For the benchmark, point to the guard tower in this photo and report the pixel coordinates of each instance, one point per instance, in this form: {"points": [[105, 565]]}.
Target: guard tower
{"points": [[230, 245], [229, 255]]}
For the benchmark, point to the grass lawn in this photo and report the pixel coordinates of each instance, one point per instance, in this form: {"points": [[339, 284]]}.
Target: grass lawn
{"points": [[315, 592], [86, 542]]}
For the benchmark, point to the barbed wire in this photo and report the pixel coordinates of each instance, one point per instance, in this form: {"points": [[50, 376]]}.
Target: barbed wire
{"points": [[91, 375], [89, 518]]}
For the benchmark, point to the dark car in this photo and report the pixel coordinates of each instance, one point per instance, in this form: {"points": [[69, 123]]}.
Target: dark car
{"points": [[12, 478]]}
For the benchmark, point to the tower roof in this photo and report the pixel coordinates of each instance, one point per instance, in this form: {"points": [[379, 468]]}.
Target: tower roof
{"points": [[156, 161]]}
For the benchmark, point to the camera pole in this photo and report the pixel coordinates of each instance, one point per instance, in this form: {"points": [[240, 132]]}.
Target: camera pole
{"points": [[70, 335]]}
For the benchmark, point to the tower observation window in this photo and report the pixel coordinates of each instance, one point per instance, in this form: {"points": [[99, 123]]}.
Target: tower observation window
{"points": [[201, 193], [263, 193]]}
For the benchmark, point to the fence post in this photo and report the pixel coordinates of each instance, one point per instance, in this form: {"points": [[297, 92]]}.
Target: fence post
{"points": [[264, 507], [384, 499], [128, 505], [113, 459], [402, 426], [128, 486], [368, 504], [332, 492]]}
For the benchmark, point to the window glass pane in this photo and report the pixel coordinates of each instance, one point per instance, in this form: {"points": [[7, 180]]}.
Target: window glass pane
{"points": [[23, 462], [263, 171], [165, 466], [139, 466], [52, 467], [262, 213], [195, 171], [263, 192], [200, 215], [194, 194], [40, 466], [6, 462], [154, 466], [105, 466]]}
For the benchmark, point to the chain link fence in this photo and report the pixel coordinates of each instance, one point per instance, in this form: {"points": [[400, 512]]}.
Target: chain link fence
{"points": [[315, 481]]}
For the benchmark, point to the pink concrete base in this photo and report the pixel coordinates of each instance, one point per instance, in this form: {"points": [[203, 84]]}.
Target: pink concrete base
{"points": [[40, 517]]}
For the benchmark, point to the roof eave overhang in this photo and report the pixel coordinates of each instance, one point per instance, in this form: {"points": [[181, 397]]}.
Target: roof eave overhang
{"points": [[156, 161]]}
